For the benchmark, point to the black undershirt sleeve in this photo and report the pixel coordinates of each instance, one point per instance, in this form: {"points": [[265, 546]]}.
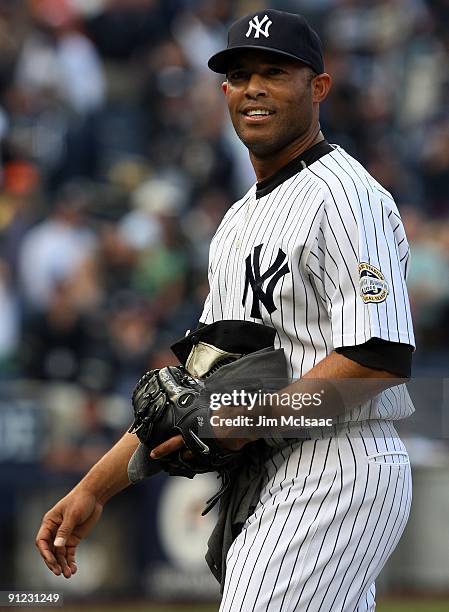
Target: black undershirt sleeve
{"points": [[381, 354]]}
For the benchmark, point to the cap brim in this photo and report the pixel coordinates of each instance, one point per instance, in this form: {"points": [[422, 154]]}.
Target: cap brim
{"points": [[220, 61]]}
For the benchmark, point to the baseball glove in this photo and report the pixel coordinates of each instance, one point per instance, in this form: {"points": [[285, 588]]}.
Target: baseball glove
{"points": [[166, 403], [173, 400]]}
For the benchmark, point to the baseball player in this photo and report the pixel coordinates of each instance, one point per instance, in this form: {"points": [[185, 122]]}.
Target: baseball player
{"points": [[315, 250]]}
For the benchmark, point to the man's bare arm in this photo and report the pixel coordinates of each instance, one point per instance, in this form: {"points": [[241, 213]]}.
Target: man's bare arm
{"points": [[351, 383], [73, 517], [109, 475]]}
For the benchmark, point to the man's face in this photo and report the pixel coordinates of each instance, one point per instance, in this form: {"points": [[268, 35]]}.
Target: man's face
{"points": [[270, 100]]}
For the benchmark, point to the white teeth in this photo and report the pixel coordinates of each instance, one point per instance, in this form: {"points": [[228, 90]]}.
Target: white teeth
{"points": [[252, 113]]}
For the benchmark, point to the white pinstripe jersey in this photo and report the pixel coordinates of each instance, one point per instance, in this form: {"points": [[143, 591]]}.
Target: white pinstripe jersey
{"points": [[323, 259]]}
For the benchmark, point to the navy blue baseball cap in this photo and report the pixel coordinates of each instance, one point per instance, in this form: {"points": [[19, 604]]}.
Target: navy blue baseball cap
{"points": [[287, 34]]}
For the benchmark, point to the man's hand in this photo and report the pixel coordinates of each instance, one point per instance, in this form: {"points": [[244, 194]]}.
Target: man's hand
{"points": [[63, 528], [67, 523]]}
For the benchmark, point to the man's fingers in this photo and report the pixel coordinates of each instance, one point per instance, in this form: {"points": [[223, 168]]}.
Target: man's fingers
{"points": [[65, 556], [167, 447], [62, 554], [51, 562], [44, 543], [71, 559]]}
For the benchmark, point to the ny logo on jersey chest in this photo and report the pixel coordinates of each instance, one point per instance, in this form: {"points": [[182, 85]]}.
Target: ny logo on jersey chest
{"points": [[255, 279]]}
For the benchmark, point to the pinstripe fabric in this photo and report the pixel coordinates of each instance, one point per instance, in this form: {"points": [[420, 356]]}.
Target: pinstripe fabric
{"points": [[327, 219], [331, 513]]}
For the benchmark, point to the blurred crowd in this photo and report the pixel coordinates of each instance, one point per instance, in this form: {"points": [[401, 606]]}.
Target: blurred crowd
{"points": [[118, 162]]}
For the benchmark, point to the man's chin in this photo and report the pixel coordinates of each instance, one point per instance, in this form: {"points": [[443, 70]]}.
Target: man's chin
{"points": [[260, 147], [262, 150], [263, 147]]}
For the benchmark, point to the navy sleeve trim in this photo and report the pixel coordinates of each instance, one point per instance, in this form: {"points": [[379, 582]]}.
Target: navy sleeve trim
{"points": [[381, 354]]}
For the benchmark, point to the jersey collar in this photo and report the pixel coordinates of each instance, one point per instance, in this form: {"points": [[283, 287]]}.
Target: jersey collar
{"points": [[293, 167]]}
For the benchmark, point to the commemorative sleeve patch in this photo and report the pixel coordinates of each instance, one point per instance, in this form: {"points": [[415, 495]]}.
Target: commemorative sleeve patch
{"points": [[373, 286]]}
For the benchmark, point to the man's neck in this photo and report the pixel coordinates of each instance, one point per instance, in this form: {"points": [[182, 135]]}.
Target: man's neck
{"points": [[266, 167]]}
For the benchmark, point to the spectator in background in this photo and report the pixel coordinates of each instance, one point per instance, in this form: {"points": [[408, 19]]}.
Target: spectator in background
{"points": [[20, 207], [88, 436], [435, 169], [9, 323], [120, 29], [55, 338], [164, 100], [200, 31], [58, 60], [428, 277], [53, 87], [54, 249], [161, 267], [141, 228], [131, 334], [11, 36], [116, 259]]}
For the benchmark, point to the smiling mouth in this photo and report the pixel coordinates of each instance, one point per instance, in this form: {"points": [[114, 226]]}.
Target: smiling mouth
{"points": [[257, 114]]}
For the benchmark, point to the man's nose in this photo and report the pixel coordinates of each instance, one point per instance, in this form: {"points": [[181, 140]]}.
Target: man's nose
{"points": [[256, 86]]}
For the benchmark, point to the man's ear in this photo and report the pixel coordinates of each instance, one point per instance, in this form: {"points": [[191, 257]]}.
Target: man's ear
{"points": [[321, 85], [224, 87]]}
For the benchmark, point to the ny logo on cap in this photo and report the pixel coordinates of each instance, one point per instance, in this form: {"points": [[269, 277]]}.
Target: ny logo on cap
{"points": [[255, 24]]}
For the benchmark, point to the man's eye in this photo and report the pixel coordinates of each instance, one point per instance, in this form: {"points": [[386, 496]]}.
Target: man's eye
{"points": [[237, 75], [274, 71]]}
